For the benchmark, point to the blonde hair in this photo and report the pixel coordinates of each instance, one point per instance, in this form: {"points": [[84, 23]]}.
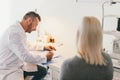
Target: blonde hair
{"points": [[89, 41]]}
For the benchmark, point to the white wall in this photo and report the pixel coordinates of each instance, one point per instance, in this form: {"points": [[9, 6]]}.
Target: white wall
{"points": [[5, 13], [59, 17]]}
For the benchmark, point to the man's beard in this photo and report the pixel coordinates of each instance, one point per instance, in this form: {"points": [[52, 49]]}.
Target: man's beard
{"points": [[29, 28]]}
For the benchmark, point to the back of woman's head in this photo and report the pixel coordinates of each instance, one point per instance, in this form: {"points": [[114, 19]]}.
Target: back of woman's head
{"points": [[89, 41]]}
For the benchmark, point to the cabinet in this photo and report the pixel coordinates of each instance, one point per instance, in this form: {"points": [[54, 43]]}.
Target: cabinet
{"points": [[55, 70], [116, 75]]}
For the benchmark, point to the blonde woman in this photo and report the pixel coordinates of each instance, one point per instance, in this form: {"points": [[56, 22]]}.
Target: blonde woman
{"points": [[91, 63]]}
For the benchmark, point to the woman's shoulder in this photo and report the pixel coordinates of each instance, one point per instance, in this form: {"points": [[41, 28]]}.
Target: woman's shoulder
{"points": [[106, 55], [107, 58], [72, 61]]}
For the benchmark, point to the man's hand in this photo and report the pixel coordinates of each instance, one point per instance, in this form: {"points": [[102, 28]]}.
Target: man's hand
{"points": [[49, 48], [49, 55]]}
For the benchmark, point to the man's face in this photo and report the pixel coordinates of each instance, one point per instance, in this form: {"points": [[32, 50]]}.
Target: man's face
{"points": [[32, 25]]}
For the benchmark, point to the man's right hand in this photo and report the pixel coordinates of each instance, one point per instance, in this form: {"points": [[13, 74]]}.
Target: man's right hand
{"points": [[49, 48], [49, 55]]}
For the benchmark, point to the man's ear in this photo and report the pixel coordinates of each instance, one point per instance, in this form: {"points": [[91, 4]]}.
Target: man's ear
{"points": [[77, 37]]}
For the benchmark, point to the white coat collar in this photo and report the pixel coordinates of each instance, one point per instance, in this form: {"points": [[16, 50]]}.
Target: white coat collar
{"points": [[20, 27]]}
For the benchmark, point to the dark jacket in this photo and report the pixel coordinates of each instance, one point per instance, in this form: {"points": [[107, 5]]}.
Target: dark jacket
{"points": [[77, 69]]}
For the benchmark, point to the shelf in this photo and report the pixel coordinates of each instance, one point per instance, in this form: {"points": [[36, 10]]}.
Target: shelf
{"points": [[113, 33], [115, 56], [111, 15]]}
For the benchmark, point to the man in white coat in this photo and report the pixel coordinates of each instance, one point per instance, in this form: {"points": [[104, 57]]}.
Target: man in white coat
{"points": [[14, 51]]}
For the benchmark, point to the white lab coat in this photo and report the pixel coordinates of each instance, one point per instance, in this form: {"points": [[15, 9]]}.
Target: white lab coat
{"points": [[13, 52]]}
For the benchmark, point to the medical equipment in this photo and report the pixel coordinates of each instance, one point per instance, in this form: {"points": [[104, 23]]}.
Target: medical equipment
{"points": [[107, 7]]}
